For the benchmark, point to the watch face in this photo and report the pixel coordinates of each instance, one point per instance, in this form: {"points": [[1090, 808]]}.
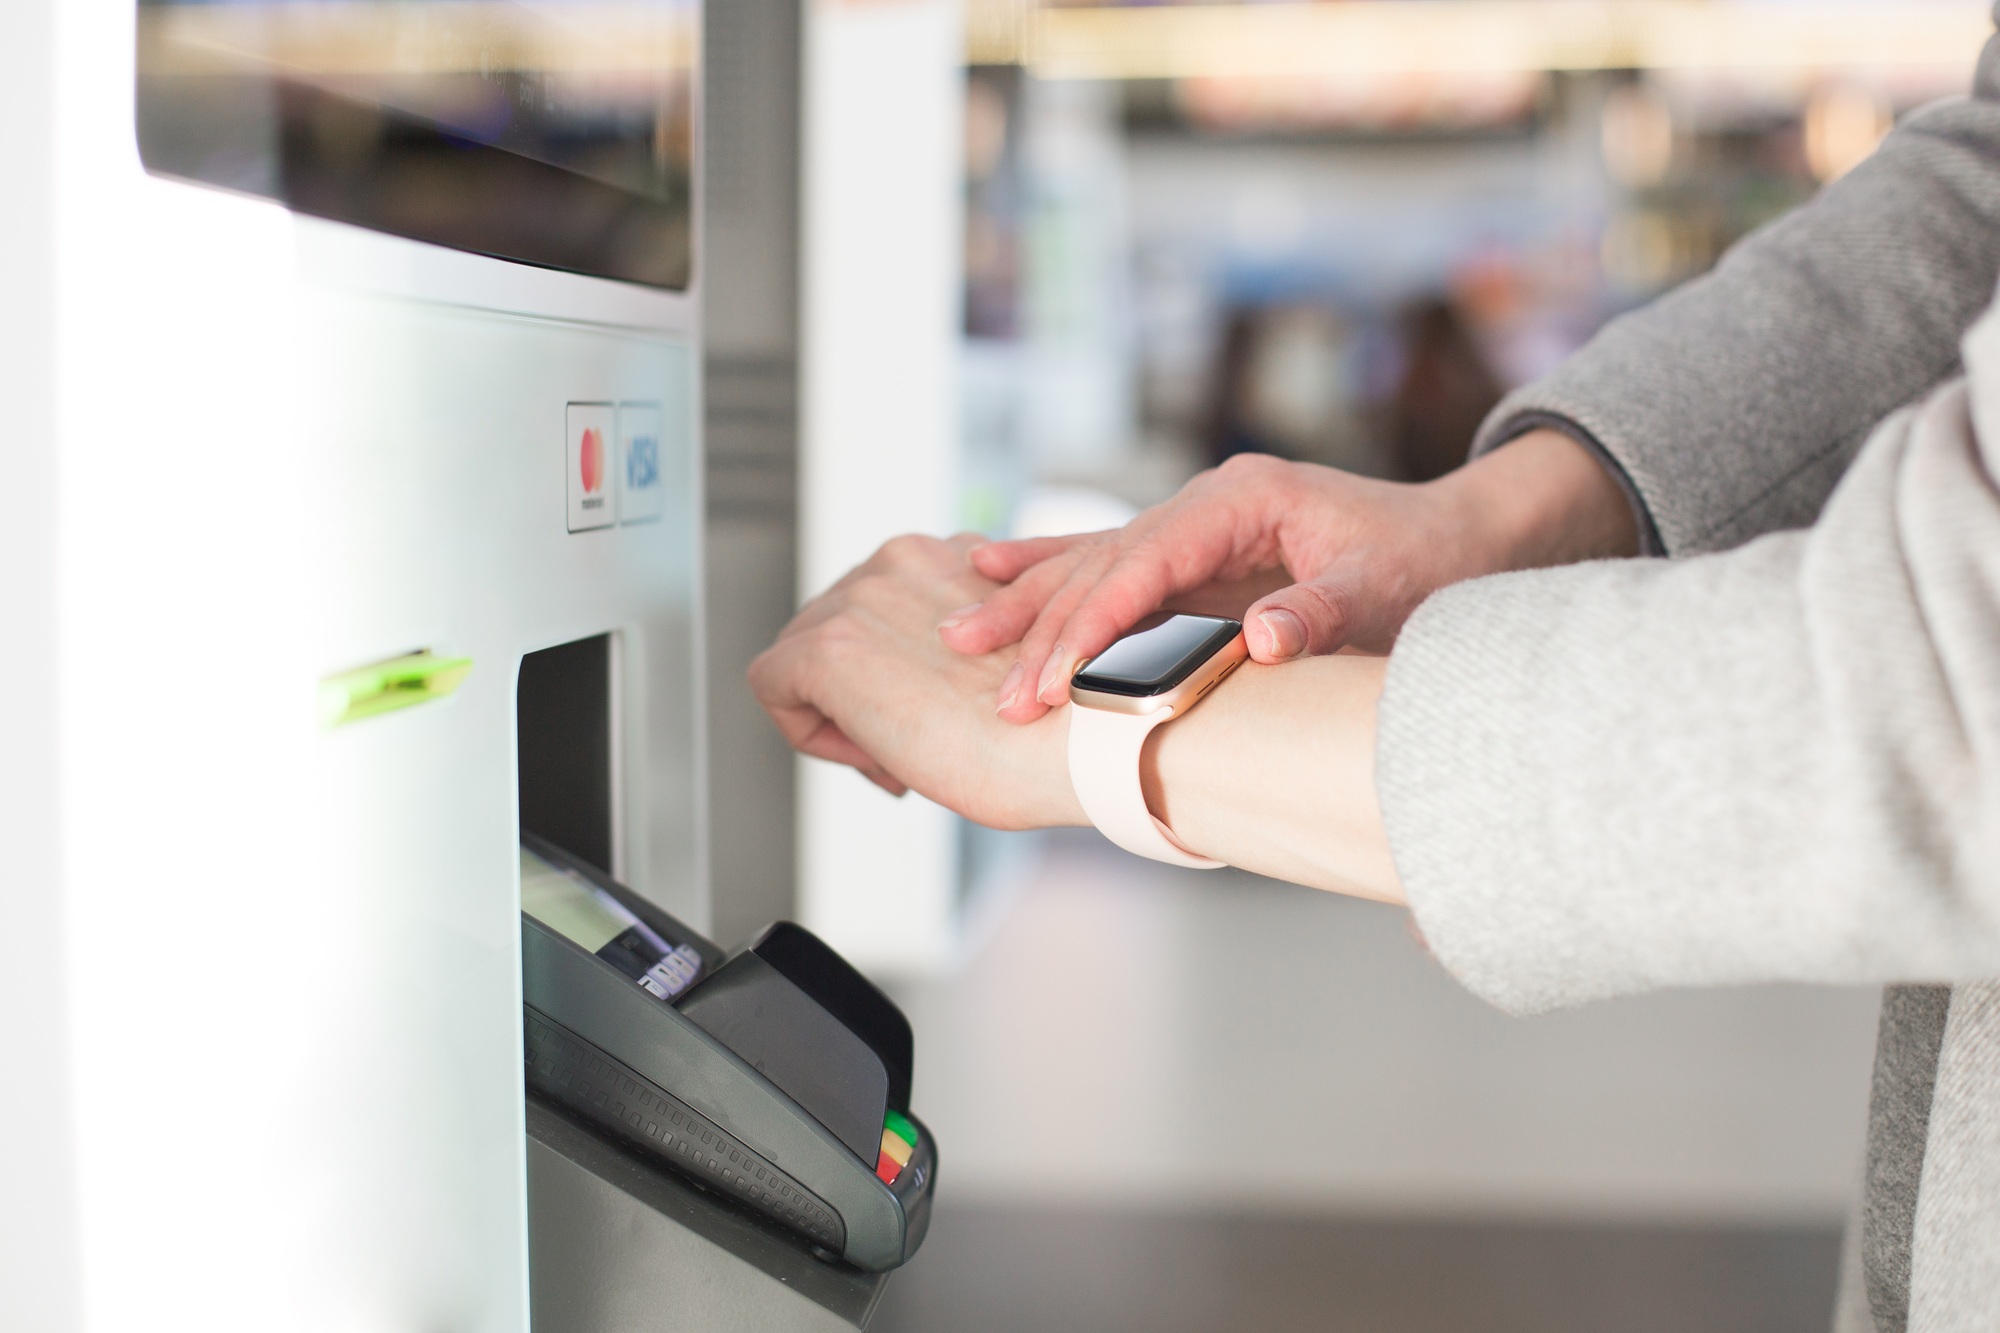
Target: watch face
{"points": [[1154, 660]]}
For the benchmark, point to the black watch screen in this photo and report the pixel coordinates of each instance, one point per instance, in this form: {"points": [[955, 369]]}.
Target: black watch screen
{"points": [[1157, 656]]}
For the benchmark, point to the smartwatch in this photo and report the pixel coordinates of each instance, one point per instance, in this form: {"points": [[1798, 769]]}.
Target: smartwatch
{"points": [[1152, 675]]}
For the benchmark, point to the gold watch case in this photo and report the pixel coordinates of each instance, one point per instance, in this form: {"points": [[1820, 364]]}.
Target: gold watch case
{"points": [[1180, 698]]}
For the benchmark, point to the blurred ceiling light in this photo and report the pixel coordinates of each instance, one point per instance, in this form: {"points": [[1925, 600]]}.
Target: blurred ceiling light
{"points": [[1177, 41], [1637, 136], [1397, 100], [376, 37], [1843, 125], [997, 31]]}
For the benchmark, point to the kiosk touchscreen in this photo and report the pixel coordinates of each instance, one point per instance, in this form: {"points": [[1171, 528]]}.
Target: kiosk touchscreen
{"points": [[778, 1077], [549, 134]]}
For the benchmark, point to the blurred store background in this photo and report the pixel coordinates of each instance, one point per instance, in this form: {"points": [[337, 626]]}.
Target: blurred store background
{"points": [[1339, 231], [1058, 259]]}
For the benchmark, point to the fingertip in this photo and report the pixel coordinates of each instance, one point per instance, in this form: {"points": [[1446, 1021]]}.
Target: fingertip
{"points": [[1010, 689], [957, 636], [1023, 711], [959, 619], [1054, 683]]}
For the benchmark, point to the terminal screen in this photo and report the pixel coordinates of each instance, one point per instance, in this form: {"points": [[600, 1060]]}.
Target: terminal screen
{"points": [[592, 919], [553, 132]]}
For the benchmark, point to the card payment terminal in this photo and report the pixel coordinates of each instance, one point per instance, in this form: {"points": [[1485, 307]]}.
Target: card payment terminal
{"points": [[777, 1076]]}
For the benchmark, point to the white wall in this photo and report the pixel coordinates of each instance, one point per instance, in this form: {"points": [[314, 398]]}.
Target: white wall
{"points": [[38, 1259]]}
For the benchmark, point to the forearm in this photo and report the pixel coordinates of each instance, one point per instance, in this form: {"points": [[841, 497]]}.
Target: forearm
{"points": [[1734, 404], [1274, 773]]}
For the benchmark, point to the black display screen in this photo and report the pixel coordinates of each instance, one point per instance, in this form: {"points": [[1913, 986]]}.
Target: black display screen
{"points": [[1154, 660], [553, 132]]}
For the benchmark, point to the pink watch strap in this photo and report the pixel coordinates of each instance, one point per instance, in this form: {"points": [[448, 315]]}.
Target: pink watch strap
{"points": [[1104, 768]]}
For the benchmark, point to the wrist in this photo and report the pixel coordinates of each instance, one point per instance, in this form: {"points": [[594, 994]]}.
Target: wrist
{"points": [[1541, 499], [1275, 773], [1040, 772]]}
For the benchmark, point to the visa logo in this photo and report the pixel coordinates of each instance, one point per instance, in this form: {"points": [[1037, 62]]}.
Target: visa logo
{"points": [[642, 463]]}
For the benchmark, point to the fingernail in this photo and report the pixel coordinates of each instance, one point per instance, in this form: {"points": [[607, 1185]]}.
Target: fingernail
{"points": [[1011, 687], [960, 616], [1052, 675], [1286, 632]]}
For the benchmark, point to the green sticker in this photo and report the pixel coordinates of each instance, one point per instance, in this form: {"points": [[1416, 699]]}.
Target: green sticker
{"points": [[385, 686]]}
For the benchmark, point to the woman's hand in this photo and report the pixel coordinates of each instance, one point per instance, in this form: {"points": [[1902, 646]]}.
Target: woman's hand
{"points": [[860, 677], [1359, 556], [1273, 773]]}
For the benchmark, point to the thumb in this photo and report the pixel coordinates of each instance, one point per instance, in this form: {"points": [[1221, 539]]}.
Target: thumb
{"points": [[1304, 620]]}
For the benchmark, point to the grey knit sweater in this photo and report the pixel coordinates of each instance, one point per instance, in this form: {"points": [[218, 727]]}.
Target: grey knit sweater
{"points": [[1774, 755]]}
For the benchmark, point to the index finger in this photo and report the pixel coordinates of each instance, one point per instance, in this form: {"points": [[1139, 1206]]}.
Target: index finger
{"points": [[1003, 562], [1182, 553], [1132, 589]]}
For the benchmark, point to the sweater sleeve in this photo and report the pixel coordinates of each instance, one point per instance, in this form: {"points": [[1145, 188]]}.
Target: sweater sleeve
{"points": [[1731, 407], [1776, 762]]}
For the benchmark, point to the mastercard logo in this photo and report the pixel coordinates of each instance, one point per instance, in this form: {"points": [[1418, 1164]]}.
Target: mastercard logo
{"points": [[590, 460]]}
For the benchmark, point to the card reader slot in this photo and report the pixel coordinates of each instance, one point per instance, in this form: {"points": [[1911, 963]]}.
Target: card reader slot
{"points": [[580, 1076]]}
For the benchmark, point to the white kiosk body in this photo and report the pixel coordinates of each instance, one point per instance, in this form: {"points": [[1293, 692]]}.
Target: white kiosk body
{"points": [[266, 938]]}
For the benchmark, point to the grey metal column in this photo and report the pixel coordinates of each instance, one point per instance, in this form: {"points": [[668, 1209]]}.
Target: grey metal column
{"points": [[751, 289]]}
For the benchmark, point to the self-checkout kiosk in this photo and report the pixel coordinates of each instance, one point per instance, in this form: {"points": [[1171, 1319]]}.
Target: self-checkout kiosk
{"points": [[361, 345]]}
